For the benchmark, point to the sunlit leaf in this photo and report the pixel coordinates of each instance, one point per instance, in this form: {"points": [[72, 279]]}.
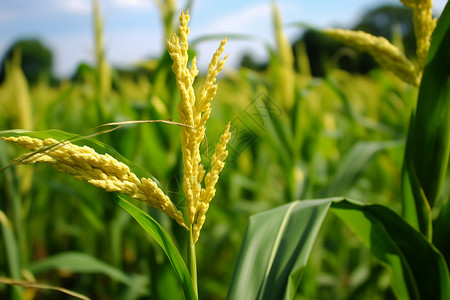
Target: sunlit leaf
{"points": [[428, 144], [162, 238], [278, 243]]}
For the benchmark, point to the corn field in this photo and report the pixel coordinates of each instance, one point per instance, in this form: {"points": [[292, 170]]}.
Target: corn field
{"points": [[180, 183]]}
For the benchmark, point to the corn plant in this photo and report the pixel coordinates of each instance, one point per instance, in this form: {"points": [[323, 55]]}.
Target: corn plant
{"points": [[278, 243], [400, 243], [112, 175]]}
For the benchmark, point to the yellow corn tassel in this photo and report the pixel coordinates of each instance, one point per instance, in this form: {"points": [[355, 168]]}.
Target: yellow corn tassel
{"points": [[386, 54], [217, 164], [285, 69], [103, 68], [424, 25], [102, 171], [194, 113]]}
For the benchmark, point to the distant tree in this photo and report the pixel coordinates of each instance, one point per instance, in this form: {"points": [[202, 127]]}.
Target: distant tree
{"points": [[248, 61], [36, 59], [83, 73]]}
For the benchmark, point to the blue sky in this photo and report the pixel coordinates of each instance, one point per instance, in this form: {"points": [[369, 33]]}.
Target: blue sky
{"points": [[133, 29]]}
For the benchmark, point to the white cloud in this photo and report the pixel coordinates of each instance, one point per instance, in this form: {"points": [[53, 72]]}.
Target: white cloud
{"points": [[76, 6], [242, 21], [134, 4], [123, 49], [7, 15], [69, 51], [255, 20], [127, 48], [26, 9]]}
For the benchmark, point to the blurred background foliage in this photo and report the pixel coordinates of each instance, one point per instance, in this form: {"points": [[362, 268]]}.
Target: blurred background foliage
{"points": [[318, 119]]}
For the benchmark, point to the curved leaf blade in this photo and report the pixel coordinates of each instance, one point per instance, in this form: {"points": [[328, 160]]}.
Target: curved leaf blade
{"points": [[84, 263], [354, 162], [275, 250], [162, 238], [418, 269], [428, 143], [278, 242]]}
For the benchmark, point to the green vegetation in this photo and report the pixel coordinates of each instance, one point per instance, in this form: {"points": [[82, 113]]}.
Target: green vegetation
{"points": [[371, 150]]}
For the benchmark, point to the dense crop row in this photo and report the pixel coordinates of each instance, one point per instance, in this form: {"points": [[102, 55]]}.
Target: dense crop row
{"points": [[373, 138]]}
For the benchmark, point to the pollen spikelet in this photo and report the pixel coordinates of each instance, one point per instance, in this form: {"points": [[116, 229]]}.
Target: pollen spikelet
{"points": [[284, 70], [424, 25], [194, 112], [386, 54], [100, 170], [217, 164]]}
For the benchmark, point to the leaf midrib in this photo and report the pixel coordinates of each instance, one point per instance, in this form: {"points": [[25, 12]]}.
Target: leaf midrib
{"points": [[277, 243]]}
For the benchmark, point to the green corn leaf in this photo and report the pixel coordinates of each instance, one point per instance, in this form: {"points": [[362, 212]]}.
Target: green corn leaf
{"points": [[12, 252], [428, 144], [418, 269], [441, 227], [11, 232], [83, 263], [278, 242], [162, 238], [276, 249], [354, 162]]}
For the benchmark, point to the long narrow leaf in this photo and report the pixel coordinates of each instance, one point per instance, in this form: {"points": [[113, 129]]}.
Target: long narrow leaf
{"points": [[12, 252], [418, 269], [276, 249], [84, 263], [428, 145], [354, 162], [162, 238], [278, 243]]}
